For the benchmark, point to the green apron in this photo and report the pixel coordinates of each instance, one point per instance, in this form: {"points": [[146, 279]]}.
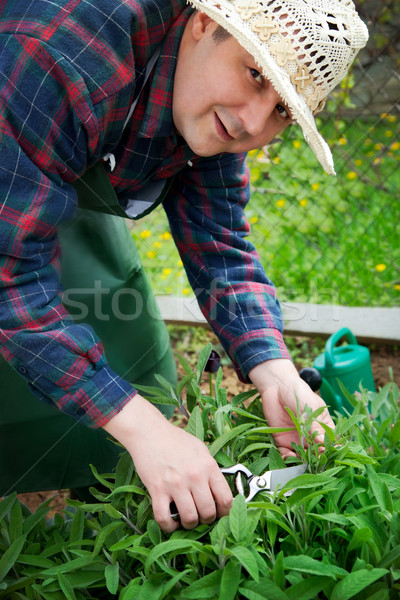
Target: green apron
{"points": [[106, 287]]}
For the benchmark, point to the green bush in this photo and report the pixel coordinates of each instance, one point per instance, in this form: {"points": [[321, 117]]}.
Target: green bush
{"points": [[336, 537]]}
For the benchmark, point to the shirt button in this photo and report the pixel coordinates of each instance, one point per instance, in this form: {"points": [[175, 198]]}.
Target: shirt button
{"points": [[80, 412], [23, 370]]}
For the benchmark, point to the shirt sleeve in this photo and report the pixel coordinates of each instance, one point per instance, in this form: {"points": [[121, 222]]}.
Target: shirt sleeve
{"points": [[50, 130], [206, 214]]}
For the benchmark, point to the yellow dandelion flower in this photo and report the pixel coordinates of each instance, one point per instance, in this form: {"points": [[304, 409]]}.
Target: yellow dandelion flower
{"points": [[276, 160], [157, 244], [370, 153], [342, 141], [397, 287], [260, 154], [252, 152], [351, 175], [151, 254], [167, 271], [280, 203], [384, 115], [378, 146], [297, 144], [395, 146], [390, 154], [166, 235], [253, 219], [358, 162], [180, 263], [388, 133], [186, 291], [145, 234], [391, 118], [381, 267], [368, 141], [303, 202], [377, 161], [315, 186]]}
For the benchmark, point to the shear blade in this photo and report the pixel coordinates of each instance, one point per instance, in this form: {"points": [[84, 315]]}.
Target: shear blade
{"points": [[280, 477]]}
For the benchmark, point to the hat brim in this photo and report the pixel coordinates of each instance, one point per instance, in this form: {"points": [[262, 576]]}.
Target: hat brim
{"points": [[279, 78]]}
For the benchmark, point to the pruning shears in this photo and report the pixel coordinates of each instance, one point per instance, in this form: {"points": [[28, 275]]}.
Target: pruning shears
{"points": [[269, 482]]}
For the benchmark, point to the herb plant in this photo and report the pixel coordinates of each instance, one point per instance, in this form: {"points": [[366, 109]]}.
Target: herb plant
{"points": [[336, 537]]}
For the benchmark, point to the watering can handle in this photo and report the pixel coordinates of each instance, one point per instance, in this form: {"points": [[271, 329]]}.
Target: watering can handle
{"points": [[333, 340]]}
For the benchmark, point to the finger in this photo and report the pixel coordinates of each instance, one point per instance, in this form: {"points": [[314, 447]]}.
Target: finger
{"points": [[162, 513], [188, 514], [222, 494], [205, 504]]}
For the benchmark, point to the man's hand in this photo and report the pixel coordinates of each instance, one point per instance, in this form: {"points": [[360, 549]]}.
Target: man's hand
{"points": [[173, 465], [279, 385]]}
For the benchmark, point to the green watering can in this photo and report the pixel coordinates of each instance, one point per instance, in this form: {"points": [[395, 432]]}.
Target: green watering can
{"points": [[349, 364]]}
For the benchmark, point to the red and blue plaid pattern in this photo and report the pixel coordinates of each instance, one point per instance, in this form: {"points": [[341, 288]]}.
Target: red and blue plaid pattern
{"points": [[69, 70]]}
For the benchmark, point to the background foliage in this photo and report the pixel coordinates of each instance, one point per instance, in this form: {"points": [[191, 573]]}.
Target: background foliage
{"points": [[324, 239]]}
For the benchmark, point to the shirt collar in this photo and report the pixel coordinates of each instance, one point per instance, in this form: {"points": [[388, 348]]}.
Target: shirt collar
{"points": [[157, 119]]}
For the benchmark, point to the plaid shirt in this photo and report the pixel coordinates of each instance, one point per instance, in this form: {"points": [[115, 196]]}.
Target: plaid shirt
{"points": [[69, 73]]}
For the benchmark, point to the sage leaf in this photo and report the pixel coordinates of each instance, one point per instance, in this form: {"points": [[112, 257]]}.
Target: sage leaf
{"points": [[195, 424], [355, 582], [206, 587], [265, 589], [10, 556], [307, 564], [238, 518], [246, 559], [171, 546], [380, 490], [66, 587], [226, 437], [231, 577], [308, 589], [111, 573]]}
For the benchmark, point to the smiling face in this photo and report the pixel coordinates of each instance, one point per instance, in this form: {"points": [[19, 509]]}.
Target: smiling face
{"points": [[221, 102]]}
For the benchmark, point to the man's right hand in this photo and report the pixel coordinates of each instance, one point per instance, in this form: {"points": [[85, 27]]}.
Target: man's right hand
{"points": [[173, 465]]}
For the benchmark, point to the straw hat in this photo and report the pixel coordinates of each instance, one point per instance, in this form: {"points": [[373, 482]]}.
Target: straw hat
{"points": [[304, 47]]}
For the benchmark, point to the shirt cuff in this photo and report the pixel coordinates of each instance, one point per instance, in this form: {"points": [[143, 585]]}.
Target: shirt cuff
{"points": [[255, 347], [95, 401]]}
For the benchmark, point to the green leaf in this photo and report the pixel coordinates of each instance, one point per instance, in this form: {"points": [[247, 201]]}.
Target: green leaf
{"points": [[111, 573], [7, 503], [207, 587], [77, 526], [195, 424], [246, 559], [66, 587], [265, 589], [355, 582], [360, 537], [171, 546], [330, 517], [124, 470], [154, 532], [203, 358], [380, 490], [238, 518], [308, 589], [278, 572], [228, 436], [10, 556], [16, 521], [231, 577], [103, 534], [306, 564]]}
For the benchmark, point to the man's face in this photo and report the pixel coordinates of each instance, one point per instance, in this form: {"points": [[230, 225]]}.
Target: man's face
{"points": [[221, 102]]}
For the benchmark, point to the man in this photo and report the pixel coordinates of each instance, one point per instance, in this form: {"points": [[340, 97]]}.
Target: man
{"points": [[227, 79]]}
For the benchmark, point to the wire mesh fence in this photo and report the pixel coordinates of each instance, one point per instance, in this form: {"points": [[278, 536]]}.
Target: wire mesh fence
{"points": [[324, 239]]}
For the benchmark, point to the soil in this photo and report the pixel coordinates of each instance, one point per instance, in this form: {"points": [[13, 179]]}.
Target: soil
{"points": [[383, 359]]}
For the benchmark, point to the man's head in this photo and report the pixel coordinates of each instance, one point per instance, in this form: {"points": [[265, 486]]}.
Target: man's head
{"points": [[300, 49]]}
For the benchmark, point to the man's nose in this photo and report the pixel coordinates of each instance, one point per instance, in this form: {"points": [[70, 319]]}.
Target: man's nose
{"points": [[256, 113]]}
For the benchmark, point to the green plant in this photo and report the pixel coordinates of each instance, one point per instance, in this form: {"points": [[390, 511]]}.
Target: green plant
{"points": [[336, 537]]}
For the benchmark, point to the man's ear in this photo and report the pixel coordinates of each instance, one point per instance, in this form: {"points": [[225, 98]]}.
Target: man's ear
{"points": [[201, 24]]}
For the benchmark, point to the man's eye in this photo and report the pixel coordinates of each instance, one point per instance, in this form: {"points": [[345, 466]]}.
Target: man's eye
{"points": [[283, 111], [257, 75]]}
